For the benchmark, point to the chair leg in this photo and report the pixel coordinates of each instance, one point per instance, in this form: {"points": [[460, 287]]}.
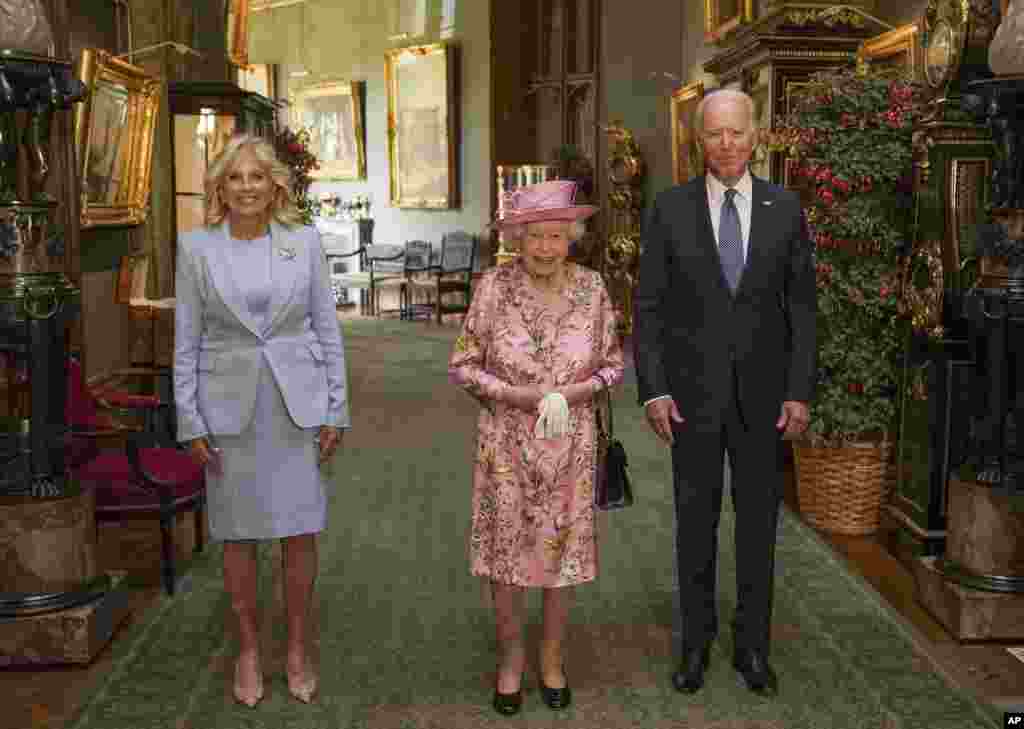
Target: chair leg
{"points": [[167, 567], [200, 512]]}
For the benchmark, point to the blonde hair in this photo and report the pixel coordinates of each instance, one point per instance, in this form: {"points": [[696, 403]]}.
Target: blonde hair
{"points": [[282, 208], [577, 229]]}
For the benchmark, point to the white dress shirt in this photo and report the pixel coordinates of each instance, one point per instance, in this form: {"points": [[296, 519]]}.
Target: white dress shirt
{"points": [[743, 200]]}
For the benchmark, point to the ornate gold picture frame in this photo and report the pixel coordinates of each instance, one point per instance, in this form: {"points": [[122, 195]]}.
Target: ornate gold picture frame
{"points": [[687, 161], [334, 114], [238, 31], [721, 17], [114, 129], [897, 48], [423, 126]]}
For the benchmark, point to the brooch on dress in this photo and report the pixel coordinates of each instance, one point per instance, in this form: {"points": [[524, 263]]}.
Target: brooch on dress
{"points": [[286, 253]]}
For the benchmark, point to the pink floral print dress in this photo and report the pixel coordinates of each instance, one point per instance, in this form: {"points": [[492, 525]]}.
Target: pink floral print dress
{"points": [[533, 519]]}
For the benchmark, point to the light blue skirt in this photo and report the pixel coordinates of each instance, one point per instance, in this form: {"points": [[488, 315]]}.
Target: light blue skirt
{"points": [[269, 484]]}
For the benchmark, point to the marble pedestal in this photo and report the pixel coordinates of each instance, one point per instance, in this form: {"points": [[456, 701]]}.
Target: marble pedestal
{"points": [[966, 613], [974, 590], [75, 635]]}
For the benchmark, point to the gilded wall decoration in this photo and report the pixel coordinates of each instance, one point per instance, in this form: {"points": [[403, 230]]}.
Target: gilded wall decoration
{"points": [[722, 17], [625, 200]]}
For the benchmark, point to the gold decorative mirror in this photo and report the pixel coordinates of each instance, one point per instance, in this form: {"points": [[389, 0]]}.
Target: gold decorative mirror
{"points": [[114, 139]]}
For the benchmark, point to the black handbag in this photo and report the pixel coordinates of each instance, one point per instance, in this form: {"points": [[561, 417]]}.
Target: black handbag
{"points": [[611, 481]]}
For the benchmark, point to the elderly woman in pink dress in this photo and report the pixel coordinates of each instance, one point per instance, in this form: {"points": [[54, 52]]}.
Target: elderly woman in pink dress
{"points": [[538, 343]]}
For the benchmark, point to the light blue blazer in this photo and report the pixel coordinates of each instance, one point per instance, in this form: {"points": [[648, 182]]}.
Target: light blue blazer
{"points": [[218, 347]]}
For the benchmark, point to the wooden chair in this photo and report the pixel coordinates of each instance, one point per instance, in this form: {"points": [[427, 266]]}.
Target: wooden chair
{"points": [[147, 476], [417, 265], [382, 268], [453, 274]]}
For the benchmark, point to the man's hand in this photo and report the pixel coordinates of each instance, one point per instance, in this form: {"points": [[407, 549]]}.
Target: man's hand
{"points": [[328, 440], [658, 413], [794, 418], [525, 398]]}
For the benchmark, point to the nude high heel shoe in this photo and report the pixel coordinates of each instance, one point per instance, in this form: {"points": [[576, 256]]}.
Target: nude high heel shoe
{"points": [[247, 698], [303, 687]]}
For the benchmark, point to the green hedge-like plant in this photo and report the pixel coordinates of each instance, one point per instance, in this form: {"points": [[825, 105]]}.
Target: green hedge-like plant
{"points": [[849, 143]]}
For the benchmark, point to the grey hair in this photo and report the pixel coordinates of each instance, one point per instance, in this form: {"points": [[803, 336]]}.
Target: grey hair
{"points": [[577, 229], [282, 208], [698, 115]]}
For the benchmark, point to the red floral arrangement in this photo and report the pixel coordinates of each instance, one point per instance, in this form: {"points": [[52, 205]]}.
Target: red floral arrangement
{"points": [[292, 148]]}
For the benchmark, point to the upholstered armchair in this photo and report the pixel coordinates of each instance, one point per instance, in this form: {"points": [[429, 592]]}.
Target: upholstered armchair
{"points": [[140, 474]]}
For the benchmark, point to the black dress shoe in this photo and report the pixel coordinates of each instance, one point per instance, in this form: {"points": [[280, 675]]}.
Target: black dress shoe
{"points": [[756, 673], [508, 704], [690, 676], [556, 699]]}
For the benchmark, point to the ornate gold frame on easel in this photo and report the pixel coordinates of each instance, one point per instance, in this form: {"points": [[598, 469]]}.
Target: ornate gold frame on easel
{"points": [[131, 166]]}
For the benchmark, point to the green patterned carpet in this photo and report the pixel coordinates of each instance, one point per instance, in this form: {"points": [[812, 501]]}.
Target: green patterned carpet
{"points": [[405, 637]]}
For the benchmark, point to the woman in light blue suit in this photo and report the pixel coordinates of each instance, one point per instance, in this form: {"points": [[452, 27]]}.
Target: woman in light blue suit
{"points": [[259, 382]]}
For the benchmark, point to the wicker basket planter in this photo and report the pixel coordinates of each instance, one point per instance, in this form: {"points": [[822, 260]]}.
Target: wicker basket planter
{"points": [[841, 489]]}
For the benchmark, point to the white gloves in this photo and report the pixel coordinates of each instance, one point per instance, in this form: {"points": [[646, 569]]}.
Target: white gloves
{"points": [[554, 417]]}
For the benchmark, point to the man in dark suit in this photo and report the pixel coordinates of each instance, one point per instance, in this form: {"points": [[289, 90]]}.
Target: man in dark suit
{"points": [[725, 359]]}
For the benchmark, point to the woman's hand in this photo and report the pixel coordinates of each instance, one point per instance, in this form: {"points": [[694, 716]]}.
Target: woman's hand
{"points": [[202, 453], [328, 440], [525, 398], [579, 393]]}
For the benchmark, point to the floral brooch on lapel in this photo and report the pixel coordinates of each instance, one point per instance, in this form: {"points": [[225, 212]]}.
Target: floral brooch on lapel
{"points": [[286, 253]]}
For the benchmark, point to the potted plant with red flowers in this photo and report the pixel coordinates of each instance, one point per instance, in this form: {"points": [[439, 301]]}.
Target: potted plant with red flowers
{"points": [[292, 148], [849, 144]]}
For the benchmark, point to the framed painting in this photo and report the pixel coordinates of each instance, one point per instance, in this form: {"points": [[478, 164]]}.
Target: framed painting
{"points": [[423, 126], [238, 31], [114, 128], [721, 17], [334, 114], [687, 160]]}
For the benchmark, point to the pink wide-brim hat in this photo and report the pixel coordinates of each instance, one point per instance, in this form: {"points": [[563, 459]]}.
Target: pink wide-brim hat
{"points": [[551, 200]]}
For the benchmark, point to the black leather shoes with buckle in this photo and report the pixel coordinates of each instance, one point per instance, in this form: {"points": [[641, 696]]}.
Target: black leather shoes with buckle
{"points": [[756, 673], [690, 676]]}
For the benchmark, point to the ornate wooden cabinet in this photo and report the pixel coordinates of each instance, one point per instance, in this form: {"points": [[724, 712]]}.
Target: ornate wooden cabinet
{"points": [[953, 163], [773, 57]]}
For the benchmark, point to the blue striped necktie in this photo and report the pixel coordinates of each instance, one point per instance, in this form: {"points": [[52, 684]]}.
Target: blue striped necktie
{"points": [[730, 241]]}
